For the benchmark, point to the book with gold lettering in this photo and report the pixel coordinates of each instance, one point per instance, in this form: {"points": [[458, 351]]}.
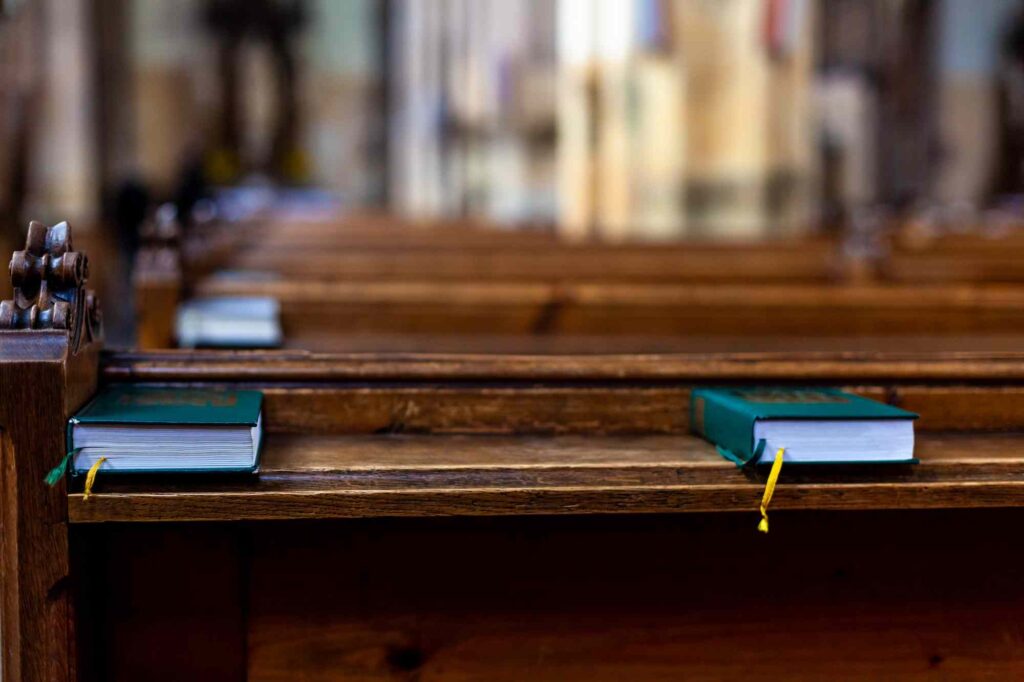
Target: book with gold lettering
{"points": [[144, 429], [809, 425]]}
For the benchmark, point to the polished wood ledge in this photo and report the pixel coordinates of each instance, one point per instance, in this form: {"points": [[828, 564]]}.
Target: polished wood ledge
{"points": [[314, 368], [367, 435], [331, 476]]}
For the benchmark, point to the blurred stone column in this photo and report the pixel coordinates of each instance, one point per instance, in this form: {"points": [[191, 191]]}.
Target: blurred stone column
{"points": [[171, 60], [63, 177]]}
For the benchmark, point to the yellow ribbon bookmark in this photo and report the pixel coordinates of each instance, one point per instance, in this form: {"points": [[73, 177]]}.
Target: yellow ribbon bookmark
{"points": [[769, 489], [90, 479]]}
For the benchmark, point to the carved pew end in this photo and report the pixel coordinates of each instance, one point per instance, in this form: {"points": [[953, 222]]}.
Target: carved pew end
{"points": [[49, 286]]}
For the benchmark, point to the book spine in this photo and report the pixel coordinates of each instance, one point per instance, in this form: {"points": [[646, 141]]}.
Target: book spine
{"points": [[69, 435], [722, 424]]}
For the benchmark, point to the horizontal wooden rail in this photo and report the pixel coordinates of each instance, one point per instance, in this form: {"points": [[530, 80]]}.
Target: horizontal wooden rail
{"points": [[299, 366], [652, 310]]}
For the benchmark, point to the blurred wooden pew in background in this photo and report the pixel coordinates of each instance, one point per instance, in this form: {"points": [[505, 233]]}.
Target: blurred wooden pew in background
{"points": [[372, 281], [465, 516]]}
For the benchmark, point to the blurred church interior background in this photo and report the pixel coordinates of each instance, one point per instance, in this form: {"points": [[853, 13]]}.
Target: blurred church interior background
{"points": [[612, 121]]}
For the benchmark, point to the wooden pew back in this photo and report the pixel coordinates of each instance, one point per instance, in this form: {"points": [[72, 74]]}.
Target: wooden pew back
{"points": [[375, 283], [527, 566]]}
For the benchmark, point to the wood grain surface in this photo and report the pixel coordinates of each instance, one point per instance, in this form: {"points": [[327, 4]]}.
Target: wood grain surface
{"points": [[168, 605], [609, 409], [915, 595], [838, 596], [554, 262], [298, 366], [326, 341], [41, 385], [667, 310], [346, 476], [434, 435], [380, 275]]}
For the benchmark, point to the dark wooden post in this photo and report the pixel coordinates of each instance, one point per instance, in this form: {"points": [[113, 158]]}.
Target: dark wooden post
{"points": [[50, 335], [157, 281]]}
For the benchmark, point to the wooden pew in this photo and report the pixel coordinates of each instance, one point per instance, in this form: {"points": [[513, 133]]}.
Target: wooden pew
{"points": [[527, 272], [636, 318], [379, 285], [965, 257], [380, 248], [504, 517], [458, 256]]}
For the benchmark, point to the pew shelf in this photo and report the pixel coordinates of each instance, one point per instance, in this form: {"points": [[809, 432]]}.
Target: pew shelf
{"points": [[347, 476]]}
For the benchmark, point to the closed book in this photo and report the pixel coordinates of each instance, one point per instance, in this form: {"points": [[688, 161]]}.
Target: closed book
{"points": [[810, 425], [145, 429], [229, 322]]}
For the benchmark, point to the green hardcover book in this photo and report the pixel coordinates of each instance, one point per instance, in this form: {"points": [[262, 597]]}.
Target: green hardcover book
{"points": [[145, 429], [811, 425]]}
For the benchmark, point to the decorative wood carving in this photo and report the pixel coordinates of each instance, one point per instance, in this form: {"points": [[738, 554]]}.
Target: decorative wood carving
{"points": [[49, 287]]}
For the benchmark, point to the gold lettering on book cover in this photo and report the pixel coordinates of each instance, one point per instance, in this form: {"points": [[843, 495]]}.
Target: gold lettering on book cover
{"points": [[789, 395]]}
